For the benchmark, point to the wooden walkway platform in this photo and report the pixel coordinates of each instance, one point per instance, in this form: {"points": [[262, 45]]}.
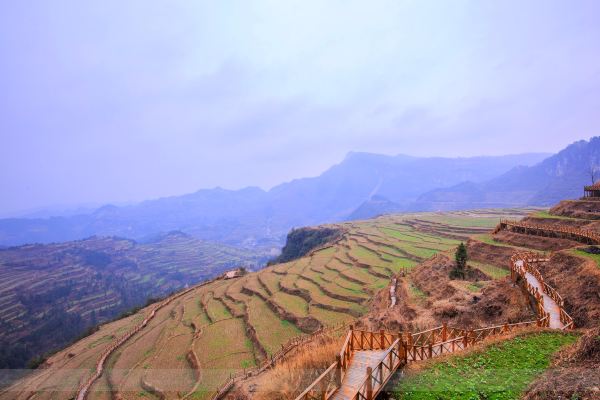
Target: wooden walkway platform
{"points": [[356, 373], [368, 359], [550, 306]]}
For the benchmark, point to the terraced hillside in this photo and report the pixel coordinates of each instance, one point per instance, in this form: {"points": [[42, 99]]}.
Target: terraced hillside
{"points": [[572, 269], [195, 342], [50, 294]]}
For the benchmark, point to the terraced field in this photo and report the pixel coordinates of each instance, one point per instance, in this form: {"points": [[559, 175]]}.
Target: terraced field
{"points": [[49, 294], [194, 344]]}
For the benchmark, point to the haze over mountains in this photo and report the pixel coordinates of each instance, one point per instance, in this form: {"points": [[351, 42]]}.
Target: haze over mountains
{"points": [[361, 186], [558, 177], [253, 217]]}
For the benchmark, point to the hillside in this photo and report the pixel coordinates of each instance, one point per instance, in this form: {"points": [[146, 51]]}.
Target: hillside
{"points": [[252, 217], [183, 349], [50, 294], [558, 177]]}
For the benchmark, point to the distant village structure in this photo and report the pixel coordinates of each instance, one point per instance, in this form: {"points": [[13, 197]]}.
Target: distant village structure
{"points": [[235, 273], [592, 192]]}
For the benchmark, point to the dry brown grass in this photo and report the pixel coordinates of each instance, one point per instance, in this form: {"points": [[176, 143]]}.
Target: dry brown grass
{"points": [[574, 372], [291, 376]]}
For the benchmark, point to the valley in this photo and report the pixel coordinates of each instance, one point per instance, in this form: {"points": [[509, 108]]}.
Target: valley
{"points": [[51, 294], [267, 335], [231, 326]]}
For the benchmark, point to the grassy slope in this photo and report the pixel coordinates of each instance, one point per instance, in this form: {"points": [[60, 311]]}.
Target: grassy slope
{"points": [[500, 371], [357, 266]]}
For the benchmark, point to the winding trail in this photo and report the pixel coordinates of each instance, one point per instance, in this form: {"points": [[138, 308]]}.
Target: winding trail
{"points": [[551, 307]]}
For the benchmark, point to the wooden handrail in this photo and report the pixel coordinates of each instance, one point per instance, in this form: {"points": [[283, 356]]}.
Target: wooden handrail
{"points": [[307, 394], [377, 377], [524, 262], [581, 235]]}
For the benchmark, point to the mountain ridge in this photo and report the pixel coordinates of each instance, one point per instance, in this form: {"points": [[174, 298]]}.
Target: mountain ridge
{"points": [[557, 177], [252, 217]]}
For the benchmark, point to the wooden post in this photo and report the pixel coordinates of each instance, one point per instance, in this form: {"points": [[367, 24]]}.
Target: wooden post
{"points": [[338, 370], [444, 332], [369, 384], [351, 337], [362, 339], [466, 339], [505, 328], [432, 338], [400, 348], [371, 341], [410, 339], [324, 389], [430, 350], [382, 338]]}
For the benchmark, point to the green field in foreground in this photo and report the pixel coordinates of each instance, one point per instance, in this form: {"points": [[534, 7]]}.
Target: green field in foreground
{"points": [[501, 371]]}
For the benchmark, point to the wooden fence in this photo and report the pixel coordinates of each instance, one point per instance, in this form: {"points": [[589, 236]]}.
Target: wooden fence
{"points": [[402, 347], [523, 262], [272, 360], [562, 232]]}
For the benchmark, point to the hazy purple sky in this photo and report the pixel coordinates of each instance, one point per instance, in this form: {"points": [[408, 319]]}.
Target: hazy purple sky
{"points": [[128, 100]]}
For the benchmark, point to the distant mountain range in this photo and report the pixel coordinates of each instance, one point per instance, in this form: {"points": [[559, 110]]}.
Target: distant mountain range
{"points": [[253, 217], [561, 176], [361, 186]]}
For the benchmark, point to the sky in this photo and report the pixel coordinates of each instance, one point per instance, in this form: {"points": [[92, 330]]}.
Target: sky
{"points": [[117, 101]]}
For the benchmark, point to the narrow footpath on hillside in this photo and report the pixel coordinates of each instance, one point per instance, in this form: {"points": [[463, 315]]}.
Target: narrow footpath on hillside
{"points": [[551, 307]]}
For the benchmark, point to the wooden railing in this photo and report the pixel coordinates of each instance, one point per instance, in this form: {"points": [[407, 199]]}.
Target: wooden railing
{"points": [[402, 348], [276, 357], [565, 232], [377, 377], [525, 262]]}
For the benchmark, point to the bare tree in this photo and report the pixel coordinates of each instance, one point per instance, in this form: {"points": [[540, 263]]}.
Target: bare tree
{"points": [[592, 171]]}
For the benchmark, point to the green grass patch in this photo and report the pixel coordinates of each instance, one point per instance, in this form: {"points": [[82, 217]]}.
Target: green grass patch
{"points": [[294, 304], [217, 310], [327, 317], [466, 222], [272, 331], [475, 286], [546, 214], [501, 371], [399, 263], [490, 270], [581, 253], [416, 292], [420, 252]]}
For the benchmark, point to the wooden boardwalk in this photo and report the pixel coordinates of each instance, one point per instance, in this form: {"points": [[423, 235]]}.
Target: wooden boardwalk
{"points": [[368, 360], [550, 306], [356, 373]]}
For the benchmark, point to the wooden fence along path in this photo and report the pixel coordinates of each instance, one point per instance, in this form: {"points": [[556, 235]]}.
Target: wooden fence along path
{"points": [[550, 304], [292, 344], [562, 232], [368, 360]]}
